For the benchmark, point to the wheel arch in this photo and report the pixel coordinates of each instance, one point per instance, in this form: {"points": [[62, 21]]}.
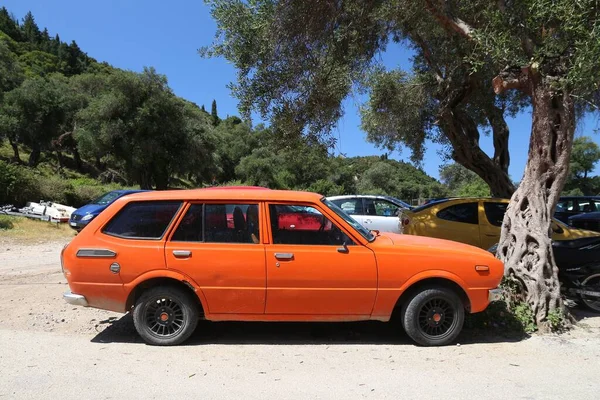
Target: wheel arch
{"points": [[166, 278], [430, 282]]}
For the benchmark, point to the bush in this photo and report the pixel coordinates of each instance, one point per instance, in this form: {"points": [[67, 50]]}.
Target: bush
{"points": [[6, 223], [17, 184]]}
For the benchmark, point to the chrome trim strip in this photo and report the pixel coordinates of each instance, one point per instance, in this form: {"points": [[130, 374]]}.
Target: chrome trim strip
{"points": [[75, 299], [96, 253]]}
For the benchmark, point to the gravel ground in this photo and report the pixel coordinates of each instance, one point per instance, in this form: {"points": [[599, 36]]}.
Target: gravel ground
{"points": [[52, 350]]}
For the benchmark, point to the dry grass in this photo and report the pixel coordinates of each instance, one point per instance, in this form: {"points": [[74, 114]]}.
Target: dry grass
{"points": [[28, 231]]}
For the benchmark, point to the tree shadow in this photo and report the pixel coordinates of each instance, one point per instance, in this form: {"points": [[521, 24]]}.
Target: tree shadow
{"points": [[293, 333]]}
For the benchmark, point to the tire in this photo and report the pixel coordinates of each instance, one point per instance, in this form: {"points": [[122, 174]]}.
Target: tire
{"points": [[433, 316], [165, 315], [592, 282]]}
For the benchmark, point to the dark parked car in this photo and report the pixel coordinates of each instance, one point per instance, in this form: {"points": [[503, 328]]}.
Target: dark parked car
{"points": [[578, 262], [82, 216], [589, 221], [574, 205]]}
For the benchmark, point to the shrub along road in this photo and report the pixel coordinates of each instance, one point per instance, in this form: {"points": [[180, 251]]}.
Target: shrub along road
{"points": [[52, 350]]}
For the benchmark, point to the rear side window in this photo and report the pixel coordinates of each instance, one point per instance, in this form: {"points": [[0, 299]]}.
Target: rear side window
{"points": [[466, 213], [494, 212], [143, 220]]}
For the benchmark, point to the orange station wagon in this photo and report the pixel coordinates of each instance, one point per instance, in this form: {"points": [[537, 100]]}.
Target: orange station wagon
{"points": [[244, 254]]}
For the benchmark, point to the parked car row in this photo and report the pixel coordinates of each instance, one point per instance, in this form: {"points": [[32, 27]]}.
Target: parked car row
{"points": [[253, 254]]}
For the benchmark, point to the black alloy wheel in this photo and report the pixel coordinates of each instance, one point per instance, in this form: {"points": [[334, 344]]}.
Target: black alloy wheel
{"points": [[165, 315], [433, 316]]}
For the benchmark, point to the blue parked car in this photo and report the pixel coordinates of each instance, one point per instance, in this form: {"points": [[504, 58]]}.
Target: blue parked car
{"points": [[82, 216]]}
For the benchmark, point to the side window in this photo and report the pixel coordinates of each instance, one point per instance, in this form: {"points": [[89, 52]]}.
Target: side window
{"points": [[384, 208], [565, 205], [304, 225], [190, 228], [465, 213], [350, 206], [142, 220], [585, 205], [494, 212], [231, 223]]}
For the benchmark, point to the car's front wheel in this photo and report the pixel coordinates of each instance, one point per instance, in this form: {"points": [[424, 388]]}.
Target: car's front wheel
{"points": [[165, 315], [433, 316]]}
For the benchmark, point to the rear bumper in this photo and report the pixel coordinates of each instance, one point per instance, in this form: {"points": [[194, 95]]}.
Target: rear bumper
{"points": [[75, 299], [494, 294]]}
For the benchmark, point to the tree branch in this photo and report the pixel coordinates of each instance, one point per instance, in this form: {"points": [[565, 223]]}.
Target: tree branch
{"points": [[513, 78], [452, 24], [427, 54]]}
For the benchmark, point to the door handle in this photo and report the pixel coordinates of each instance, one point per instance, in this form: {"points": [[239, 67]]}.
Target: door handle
{"points": [[182, 253], [284, 256]]}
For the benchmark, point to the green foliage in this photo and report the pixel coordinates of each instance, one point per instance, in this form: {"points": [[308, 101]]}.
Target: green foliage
{"points": [[463, 183], [556, 320], [17, 184], [139, 126], [214, 114], [524, 314], [584, 157], [6, 223], [297, 72]]}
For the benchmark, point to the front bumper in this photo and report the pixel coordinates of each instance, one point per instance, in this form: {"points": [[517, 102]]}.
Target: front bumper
{"points": [[75, 299], [494, 294]]}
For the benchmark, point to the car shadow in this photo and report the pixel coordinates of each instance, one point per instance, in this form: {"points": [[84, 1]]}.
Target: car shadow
{"points": [[293, 333]]}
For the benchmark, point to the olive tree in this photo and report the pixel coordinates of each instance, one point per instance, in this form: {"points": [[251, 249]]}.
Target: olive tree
{"points": [[550, 52]]}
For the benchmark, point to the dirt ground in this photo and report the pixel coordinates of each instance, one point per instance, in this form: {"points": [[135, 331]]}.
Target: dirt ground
{"points": [[52, 350]]}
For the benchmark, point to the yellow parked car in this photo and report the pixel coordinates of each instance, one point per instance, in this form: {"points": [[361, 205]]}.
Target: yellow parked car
{"points": [[474, 221]]}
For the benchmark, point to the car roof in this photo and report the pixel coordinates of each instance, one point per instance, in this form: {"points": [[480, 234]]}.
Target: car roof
{"points": [[228, 193], [365, 196]]}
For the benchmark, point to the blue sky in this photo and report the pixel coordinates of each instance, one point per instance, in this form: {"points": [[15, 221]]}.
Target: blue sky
{"points": [[131, 34]]}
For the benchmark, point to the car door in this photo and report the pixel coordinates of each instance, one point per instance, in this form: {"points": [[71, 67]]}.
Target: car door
{"points": [[382, 215], [317, 270], [491, 215], [219, 246], [458, 222]]}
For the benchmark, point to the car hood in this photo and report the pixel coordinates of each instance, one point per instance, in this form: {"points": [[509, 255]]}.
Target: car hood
{"points": [[588, 215], [574, 233], [431, 244], [89, 209]]}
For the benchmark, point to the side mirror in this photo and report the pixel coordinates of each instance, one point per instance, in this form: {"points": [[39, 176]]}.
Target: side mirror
{"points": [[343, 249]]}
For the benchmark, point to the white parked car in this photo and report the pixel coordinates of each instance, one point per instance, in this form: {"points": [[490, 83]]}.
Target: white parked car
{"points": [[373, 212]]}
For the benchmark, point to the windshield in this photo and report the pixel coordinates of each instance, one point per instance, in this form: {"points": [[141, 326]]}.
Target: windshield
{"points": [[351, 221], [106, 198]]}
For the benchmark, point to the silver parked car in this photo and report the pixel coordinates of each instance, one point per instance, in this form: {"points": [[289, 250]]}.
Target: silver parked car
{"points": [[373, 212]]}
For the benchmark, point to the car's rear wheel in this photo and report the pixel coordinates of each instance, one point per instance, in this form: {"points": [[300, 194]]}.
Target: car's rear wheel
{"points": [[165, 315], [433, 316], [591, 283]]}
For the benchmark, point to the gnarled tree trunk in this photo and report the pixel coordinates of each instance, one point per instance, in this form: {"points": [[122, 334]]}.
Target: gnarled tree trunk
{"points": [[525, 243]]}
